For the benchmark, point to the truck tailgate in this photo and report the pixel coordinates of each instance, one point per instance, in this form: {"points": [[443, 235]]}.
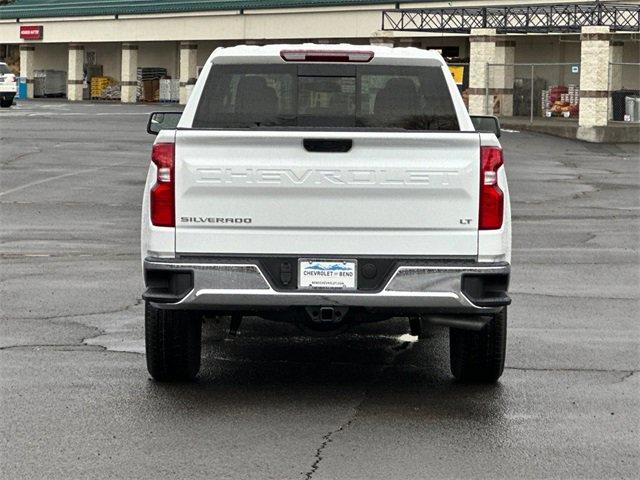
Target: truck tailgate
{"points": [[263, 192]]}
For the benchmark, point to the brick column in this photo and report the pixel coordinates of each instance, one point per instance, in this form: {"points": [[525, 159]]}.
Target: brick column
{"points": [[75, 72], [503, 75], [482, 42], [188, 69], [129, 74], [26, 66], [594, 82]]}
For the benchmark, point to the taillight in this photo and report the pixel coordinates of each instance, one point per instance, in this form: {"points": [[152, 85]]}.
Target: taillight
{"points": [[491, 197], [359, 56], [163, 192]]}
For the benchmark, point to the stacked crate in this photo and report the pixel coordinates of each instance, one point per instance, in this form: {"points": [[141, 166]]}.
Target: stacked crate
{"points": [[169, 90], [111, 92], [560, 100], [149, 83], [544, 101], [175, 90], [99, 84], [573, 95]]}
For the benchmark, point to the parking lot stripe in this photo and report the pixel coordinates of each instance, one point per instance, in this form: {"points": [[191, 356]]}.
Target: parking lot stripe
{"points": [[57, 177]]}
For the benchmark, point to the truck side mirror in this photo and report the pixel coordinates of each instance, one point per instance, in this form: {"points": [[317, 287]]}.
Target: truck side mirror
{"points": [[486, 123], [162, 121]]}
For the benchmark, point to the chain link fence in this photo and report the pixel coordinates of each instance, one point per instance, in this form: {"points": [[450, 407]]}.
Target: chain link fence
{"points": [[624, 85], [534, 90], [552, 90]]}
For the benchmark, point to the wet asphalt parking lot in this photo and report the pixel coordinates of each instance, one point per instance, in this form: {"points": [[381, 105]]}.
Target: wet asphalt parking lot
{"points": [[76, 400]]}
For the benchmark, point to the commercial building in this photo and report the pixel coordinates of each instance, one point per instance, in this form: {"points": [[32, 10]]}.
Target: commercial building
{"points": [[538, 61]]}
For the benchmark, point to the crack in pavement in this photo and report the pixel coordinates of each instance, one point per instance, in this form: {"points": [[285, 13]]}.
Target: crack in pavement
{"points": [[76, 315], [69, 204], [114, 255], [589, 297], [541, 217], [83, 343], [262, 361], [627, 373], [20, 157], [69, 347], [75, 346], [601, 370], [328, 438], [102, 332]]}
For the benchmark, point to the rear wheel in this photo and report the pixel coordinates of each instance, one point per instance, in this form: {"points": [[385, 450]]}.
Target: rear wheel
{"points": [[173, 342], [478, 356], [6, 102]]}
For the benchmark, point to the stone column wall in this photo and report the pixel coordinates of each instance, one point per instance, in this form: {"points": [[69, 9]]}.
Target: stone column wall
{"points": [[594, 81], [129, 74], [482, 43], [188, 69], [27, 54], [501, 77], [75, 72]]}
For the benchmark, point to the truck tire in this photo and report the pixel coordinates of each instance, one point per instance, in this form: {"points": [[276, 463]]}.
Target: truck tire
{"points": [[478, 356], [6, 103], [173, 341]]}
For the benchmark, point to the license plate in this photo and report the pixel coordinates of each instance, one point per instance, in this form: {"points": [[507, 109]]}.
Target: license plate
{"points": [[327, 274]]}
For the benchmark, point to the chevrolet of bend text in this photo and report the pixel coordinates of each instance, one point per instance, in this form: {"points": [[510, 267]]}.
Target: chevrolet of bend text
{"points": [[327, 186]]}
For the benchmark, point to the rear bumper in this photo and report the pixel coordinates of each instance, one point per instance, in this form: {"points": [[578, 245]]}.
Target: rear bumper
{"points": [[225, 285]]}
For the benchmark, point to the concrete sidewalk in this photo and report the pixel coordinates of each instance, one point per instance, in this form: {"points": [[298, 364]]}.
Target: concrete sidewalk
{"points": [[615, 132]]}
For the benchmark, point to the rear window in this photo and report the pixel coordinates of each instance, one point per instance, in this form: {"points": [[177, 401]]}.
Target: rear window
{"points": [[326, 95], [4, 69]]}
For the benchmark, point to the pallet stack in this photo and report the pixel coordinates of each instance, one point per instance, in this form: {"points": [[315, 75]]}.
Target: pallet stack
{"points": [[111, 92], [169, 90], [149, 83], [99, 84], [560, 100], [572, 96]]}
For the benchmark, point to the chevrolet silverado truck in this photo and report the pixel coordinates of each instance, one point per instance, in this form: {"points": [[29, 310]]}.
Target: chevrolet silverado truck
{"points": [[8, 86], [326, 185]]}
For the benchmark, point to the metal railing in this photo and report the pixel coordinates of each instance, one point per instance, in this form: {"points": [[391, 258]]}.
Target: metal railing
{"points": [[562, 18]]}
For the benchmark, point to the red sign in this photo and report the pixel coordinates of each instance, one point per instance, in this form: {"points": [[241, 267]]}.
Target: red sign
{"points": [[31, 32]]}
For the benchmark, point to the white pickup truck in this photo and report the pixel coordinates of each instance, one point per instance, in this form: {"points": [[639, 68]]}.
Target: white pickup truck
{"points": [[326, 185], [8, 86]]}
